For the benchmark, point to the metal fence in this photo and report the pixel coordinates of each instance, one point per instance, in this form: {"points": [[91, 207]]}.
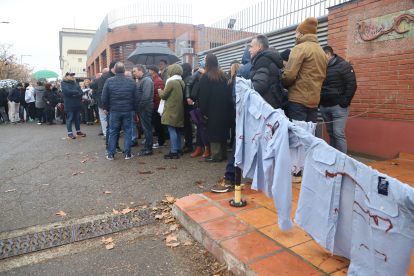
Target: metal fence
{"points": [[138, 13], [260, 18]]}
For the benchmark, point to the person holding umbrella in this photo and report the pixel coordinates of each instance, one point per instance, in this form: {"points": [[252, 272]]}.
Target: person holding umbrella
{"points": [[72, 94]]}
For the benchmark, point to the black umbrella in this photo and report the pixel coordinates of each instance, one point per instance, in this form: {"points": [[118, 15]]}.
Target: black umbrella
{"points": [[152, 53]]}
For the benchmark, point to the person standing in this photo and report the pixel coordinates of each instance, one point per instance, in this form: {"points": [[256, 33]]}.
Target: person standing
{"points": [[30, 100], [87, 101], [14, 98], [156, 118], [305, 72], [337, 92], [146, 105], [94, 87], [173, 113], [162, 65], [40, 104], [23, 105], [4, 109], [72, 94], [215, 104], [188, 128], [120, 97], [50, 99], [106, 74]]}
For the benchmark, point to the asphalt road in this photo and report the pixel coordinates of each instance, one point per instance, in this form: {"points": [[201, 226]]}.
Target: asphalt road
{"points": [[37, 163]]}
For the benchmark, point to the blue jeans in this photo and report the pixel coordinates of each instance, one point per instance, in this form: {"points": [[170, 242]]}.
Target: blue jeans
{"points": [[21, 112], [230, 169], [145, 120], [336, 130], [72, 116], [116, 120], [134, 128], [175, 138]]}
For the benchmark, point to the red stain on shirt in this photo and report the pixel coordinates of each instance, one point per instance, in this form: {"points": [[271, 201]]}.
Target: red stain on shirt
{"points": [[375, 217], [345, 174]]}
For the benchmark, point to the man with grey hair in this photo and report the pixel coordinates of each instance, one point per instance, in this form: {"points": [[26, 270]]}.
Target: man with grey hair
{"points": [[106, 73], [146, 91], [120, 97], [264, 72]]}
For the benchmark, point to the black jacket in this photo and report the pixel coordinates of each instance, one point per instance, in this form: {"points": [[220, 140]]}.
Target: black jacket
{"points": [[72, 94], [264, 75], [339, 85], [101, 83], [50, 96], [186, 76], [190, 83], [22, 97], [14, 95], [120, 94], [3, 97], [215, 104]]}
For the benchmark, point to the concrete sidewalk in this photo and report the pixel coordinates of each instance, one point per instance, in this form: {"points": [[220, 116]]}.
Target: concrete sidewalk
{"points": [[249, 240]]}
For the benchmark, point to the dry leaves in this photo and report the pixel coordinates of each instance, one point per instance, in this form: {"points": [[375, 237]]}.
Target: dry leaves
{"points": [[8, 191], [126, 211], [110, 246], [67, 153], [166, 233], [132, 203], [160, 151], [201, 187], [169, 220], [115, 211], [200, 182], [174, 167], [174, 227], [107, 192], [149, 172], [61, 214], [109, 243], [188, 243], [82, 172], [154, 208], [173, 244], [169, 239], [145, 207], [123, 204], [74, 173], [142, 163], [160, 169]]}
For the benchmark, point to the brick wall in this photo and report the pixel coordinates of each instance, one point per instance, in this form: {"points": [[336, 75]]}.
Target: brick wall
{"points": [[383, 69]]}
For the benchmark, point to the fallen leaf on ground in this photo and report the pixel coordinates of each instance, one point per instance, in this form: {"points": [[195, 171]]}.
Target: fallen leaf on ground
{"points": [[126, 211], [67, 153], [169, 220], [145, 206], [110, 246], [174, 167], [157, 234], [132, 203], [154, 208], [201, 187], [200, 181], [149, 172], [169, 239], [154, 239], [142, 163], [174, 227], [142, 202], [188, 243], [107, 192], [12, 190], [82, 172], [122, 204], [173, 244], [74, 173], [129, 173], [160, 169], [166, 233], [160, 151], [96, 153], [81, 152], [108, 240], [159, 216], [46, 184], [61, 214], [115, 211], [170, 199], [393, 163]]}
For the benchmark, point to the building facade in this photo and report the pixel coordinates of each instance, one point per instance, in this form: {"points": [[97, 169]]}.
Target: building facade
{"points": [[73, 44]]}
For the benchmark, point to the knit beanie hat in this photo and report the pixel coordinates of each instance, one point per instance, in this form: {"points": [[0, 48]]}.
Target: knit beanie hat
{"points": [[112, 64], [285, 55], [308, 26], [153, 68]]}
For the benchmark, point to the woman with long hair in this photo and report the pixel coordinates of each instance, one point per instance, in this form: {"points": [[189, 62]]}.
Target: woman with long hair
{"points": [[215, 106], [50, 100], [86, 102]]}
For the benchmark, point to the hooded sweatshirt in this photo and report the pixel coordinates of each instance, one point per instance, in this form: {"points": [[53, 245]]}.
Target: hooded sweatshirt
{"points": [[29, 95]]}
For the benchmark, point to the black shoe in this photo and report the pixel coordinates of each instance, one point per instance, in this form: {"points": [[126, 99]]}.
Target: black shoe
{"points": [[49, 123], [52, 123], [87, 123], [180, 153], [100, 133], [210, 160], [43, 122], [146, 152], [63, 123], [119, 150], [91, 123], [134, 144], [143, 149], [171, 156]]}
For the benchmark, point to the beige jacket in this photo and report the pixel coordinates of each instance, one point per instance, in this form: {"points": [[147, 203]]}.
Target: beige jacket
{"points": [[305, 71]]}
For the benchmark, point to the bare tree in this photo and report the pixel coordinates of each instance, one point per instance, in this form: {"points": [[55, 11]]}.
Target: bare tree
{"points": [[11, 68]]}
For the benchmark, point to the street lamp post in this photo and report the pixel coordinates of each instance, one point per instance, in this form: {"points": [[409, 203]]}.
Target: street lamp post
{"points": [[5, 22], [21, 58]]}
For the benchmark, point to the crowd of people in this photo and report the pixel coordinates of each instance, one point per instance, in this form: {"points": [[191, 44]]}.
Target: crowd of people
{"points": [[198, 103]]}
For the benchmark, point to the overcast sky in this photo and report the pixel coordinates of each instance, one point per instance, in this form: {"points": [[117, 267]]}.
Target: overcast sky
{"points": [[34, 25]]}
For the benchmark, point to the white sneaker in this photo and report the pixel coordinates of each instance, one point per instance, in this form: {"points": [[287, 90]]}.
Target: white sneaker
{"points": [[157, 145], [127, 157], [296, 179]]}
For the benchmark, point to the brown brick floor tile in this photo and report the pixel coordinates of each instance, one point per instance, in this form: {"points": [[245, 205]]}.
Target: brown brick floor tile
{"points": [[286, 238], [224, 227], [258, 217], [190, 201], [204, 213], [225, 204]]}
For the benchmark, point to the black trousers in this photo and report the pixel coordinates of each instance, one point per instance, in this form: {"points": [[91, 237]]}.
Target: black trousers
{"points": [[32, 110], [50, 113], [188, 129], [88, 113], [40, 114], [159, 128]]}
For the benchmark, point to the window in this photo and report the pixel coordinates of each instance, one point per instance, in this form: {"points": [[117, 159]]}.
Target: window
{"points": [[79, 59]]}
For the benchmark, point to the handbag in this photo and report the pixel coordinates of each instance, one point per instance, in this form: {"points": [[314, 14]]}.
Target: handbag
{"points": [[161, 107], [195, 92]]}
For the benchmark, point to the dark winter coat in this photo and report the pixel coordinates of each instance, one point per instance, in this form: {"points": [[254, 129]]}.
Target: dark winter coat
{"points": [[94, 87], [265, 76], [191, 82], [186, 76], [38, 94], [340, 83], [215, 104], [72, 94], [50, 96], [14, 95], [101, 83], [120, 94], [3, 97], [146, 91], [158, 84], [22, 97]]}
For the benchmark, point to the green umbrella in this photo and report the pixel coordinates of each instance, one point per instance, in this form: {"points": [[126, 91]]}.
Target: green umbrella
{"points": [[45, 74]]}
